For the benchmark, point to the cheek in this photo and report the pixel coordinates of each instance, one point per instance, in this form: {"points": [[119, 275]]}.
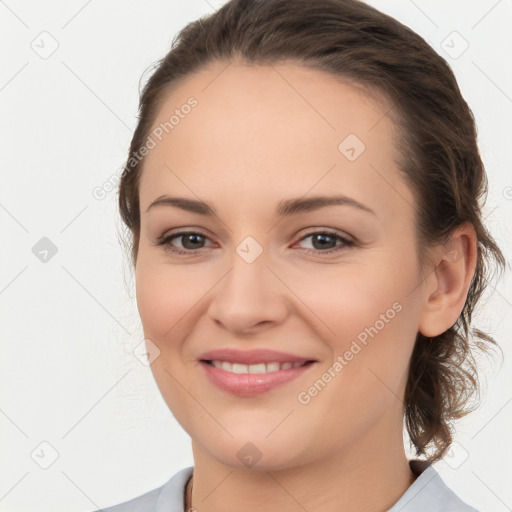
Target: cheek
{"points": [[374, 326], [165, 296], [370, 316], [349, 299]]}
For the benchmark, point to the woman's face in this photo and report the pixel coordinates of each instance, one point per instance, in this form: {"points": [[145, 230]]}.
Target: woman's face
{"points": [[259, 274]]}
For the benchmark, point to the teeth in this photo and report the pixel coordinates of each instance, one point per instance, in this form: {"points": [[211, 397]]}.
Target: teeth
{"points": [[226, 366], [271, 367], [235, 367], [254, 368]]}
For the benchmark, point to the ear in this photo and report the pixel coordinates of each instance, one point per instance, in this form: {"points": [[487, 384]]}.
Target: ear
{"points": [[447, 283]]}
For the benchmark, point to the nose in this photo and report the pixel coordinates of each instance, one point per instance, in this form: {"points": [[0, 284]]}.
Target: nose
{"points": [[250, 297]]}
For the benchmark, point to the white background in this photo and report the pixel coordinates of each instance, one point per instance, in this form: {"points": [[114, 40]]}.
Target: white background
{"points": [[69, 325]]}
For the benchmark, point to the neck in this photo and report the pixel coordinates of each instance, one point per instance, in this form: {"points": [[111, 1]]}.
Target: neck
{"points": [[364, 482]]}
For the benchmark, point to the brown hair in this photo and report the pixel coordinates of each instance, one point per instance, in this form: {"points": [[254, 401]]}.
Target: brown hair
{"points": [[438, 150]]}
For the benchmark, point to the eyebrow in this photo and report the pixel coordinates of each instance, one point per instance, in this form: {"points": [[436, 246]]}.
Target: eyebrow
{"points": [[284, 208]]}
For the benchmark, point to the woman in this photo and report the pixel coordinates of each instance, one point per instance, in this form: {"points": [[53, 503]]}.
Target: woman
{"points": [[303, 195]]}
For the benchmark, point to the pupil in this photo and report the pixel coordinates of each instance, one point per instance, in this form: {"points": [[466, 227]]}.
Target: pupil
{"points": [[188, 237], [321, 237]]}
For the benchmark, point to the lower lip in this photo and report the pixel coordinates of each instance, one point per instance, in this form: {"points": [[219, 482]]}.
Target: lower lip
{"points": [[251, 384]]}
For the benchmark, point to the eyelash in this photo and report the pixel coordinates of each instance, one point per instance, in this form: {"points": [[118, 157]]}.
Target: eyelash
{"points": [[166, 240]]}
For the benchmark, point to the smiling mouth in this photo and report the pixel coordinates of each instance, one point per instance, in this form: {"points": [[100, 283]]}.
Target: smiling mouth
{"points": [[270, 367]]}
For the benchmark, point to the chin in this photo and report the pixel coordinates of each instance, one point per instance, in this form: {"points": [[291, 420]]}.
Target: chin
{"points": [[244, 452]]}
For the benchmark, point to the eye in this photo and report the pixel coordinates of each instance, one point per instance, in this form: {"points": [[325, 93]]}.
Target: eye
{"points": [[189, 240], [323, 241]]}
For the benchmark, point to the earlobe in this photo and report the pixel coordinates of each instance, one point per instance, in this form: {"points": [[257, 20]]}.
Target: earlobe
{"points": [[447, 284]]}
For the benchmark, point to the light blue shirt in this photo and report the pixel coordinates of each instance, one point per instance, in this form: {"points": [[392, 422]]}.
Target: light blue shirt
{"points": [[428, 493]]}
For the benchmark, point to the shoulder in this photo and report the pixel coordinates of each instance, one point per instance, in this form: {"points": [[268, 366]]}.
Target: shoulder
{"points": [[168, 496], [429, 493], [144, 503]]}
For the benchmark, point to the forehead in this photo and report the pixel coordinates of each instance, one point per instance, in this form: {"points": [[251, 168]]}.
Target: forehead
{"points": [[265, 131]]}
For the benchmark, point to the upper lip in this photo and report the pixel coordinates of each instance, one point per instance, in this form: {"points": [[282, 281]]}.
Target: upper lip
{"points": [[254, 356]]}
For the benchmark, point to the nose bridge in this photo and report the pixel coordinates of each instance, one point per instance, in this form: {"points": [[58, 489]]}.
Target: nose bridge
{"points": [[249, 293]]}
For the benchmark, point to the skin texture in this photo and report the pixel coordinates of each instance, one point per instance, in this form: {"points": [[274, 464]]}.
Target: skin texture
{"points": [[260, 135]]}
